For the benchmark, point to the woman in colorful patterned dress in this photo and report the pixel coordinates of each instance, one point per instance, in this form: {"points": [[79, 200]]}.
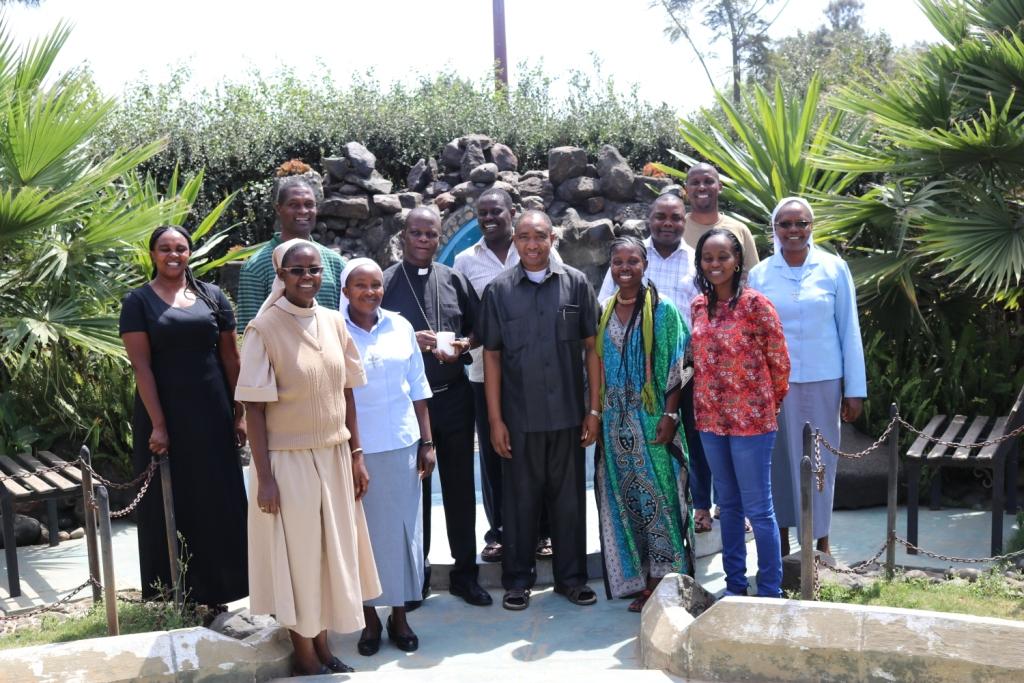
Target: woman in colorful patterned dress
{"points": [[741, 376], [641, 478]]}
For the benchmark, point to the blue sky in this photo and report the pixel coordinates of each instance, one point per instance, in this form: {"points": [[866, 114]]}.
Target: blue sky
{"points": [[125, 40]]}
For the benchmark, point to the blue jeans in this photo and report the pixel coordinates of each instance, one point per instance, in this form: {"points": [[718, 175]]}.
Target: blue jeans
{"points": [[742, 469], [700, 473]]}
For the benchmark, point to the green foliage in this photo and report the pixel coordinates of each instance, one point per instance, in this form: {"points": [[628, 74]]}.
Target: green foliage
{"points": [[239, 132], [765, 156], [74, 224], [947, 137], [132, 618], [989, 596]]}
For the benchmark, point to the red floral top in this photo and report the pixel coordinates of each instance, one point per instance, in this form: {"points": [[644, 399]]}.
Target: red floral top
{"points": [[741, 366]]}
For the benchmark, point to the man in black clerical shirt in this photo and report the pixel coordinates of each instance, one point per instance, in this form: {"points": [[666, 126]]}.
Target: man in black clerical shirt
{"points": [[538, 327], [434, 298]]}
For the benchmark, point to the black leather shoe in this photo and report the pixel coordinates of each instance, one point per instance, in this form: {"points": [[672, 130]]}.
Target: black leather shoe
{"points": [[368, 646], [413, 605], [472, 593], [404, 643]]}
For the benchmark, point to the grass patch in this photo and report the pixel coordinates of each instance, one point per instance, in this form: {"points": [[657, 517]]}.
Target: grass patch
{"points": [[132, 617], [989, 596]]}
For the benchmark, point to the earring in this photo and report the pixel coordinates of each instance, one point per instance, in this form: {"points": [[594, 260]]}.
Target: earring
{"points": [[737, 269]]}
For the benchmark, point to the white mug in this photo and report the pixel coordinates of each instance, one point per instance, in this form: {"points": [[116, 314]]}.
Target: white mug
{"points": [[445, 342]]}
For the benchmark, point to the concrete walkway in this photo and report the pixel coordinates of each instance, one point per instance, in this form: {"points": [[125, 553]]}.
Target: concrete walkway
{"points": [[550, 641]]}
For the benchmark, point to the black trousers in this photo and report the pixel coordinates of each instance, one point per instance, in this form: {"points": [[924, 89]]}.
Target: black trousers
{"points": [[546, 468], [490, 473], [451, 425]]}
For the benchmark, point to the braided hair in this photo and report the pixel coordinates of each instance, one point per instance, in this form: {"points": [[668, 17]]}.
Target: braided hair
{"points": [[701, 281], [200, 288], [644, 314]]}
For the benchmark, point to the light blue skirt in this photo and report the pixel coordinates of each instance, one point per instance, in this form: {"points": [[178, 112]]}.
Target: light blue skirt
{"points": [[394, 516], [817, 403]]}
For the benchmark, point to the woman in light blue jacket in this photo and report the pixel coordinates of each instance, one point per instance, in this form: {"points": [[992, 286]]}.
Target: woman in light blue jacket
{"points": [[812, 290]]}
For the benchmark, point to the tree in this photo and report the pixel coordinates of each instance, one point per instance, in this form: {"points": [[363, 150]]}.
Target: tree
{"points": [[739, 21], [947, 221], [835, 52], [71, 224]]}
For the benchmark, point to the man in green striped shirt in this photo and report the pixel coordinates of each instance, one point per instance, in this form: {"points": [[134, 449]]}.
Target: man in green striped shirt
{"points": [[296, 208]]}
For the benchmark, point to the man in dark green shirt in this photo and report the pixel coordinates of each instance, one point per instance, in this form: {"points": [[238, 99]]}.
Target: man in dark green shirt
{"points": [[295, 205]]}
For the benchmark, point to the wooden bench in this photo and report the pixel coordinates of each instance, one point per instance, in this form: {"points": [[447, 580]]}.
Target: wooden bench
{"points": [[1000, 459], [29, 485]]}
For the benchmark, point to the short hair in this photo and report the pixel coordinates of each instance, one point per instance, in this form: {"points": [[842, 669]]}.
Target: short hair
{"points": [[503, 196], [535, 213], [287, 184]]}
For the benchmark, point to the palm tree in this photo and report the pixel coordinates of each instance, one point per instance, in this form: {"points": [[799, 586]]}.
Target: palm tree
{"points": [[764, 153], [71, 225], [946, 222]]}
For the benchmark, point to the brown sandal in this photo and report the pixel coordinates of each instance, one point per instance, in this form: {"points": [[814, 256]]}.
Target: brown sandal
{"points": [[701, 521], [641, 600]]}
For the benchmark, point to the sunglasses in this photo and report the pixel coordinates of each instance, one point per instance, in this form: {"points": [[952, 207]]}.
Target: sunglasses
{"points": [[299, 271], [786, 225]]}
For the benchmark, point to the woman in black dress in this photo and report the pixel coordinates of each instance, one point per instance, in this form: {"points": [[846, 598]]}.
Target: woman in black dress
{"points": [[180, 338]]}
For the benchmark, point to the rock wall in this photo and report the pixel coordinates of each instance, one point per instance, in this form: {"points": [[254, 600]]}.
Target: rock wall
{"points": [[590, 199]]}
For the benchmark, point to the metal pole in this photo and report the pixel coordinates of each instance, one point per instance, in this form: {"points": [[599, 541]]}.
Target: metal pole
{"points": [[170, 526], [107, 550], [500, 56], [89, 500], [806, 519], [890, 523]]}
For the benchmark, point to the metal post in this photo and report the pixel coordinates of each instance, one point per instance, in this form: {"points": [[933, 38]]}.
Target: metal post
{"points": [[894, 469], [88, 501], [806, 519], [107, 550], [500, 55], [170, 526]]}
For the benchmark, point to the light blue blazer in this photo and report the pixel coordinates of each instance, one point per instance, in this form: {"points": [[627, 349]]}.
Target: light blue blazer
{"points": [[818, 309]]}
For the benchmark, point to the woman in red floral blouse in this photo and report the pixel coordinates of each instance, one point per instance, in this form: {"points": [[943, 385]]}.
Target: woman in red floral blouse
{"points": [[741, 376]]}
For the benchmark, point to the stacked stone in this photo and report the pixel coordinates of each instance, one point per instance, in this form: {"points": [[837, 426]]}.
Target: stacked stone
{"points": [[359, 213], [595, 202], [468, 166]]}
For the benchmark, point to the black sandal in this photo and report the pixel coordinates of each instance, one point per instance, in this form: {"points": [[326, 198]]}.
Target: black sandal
{"points": [[338, 666], [516, 599], [578, 595]]}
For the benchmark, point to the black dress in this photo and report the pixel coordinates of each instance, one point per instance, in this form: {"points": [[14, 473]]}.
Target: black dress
{"points": [[209, 495]]}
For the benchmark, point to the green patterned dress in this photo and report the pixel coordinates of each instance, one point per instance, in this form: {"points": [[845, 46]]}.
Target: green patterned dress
{"points": [[642, 487]]}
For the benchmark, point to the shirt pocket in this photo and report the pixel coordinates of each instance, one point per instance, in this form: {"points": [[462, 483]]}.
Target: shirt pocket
{"points": [[567, 323]]}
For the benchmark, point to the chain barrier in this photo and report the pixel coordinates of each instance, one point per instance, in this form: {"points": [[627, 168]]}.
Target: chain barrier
{"points": [[952, 444], [962, 560], [117, 514], [146, 474], [50, 608]]}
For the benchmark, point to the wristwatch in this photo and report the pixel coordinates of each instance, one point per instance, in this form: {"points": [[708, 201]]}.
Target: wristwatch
{"points": [[674, 416], [429, 443]]}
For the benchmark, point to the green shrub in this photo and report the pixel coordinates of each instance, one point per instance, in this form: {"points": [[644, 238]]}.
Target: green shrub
{"points": [[239, 132]]}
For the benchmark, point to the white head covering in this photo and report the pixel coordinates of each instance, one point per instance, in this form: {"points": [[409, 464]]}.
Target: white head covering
{"points": [[277, 288], [778, 207], [349, 267]]}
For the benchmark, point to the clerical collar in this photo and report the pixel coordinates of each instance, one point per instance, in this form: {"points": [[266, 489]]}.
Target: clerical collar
{"points": [[418, 271]]}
